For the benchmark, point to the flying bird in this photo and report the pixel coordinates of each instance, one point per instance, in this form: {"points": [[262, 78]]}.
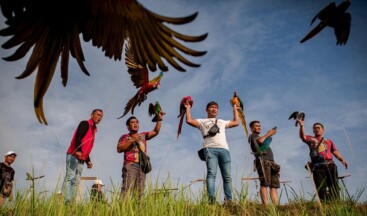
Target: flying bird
{"points": [[53, 29], [140, 77], [154, 110], [297, 115], [184, 100], [335, 17], [236, 100]]}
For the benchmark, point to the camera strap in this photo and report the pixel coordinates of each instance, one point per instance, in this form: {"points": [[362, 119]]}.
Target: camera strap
{"points": [[317, 147]]}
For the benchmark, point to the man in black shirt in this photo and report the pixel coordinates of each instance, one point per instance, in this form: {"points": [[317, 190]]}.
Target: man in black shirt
{"points": [[267, 169], [7, 176]]}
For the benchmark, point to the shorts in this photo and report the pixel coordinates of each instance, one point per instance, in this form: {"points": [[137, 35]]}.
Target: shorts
{"points": [[271, 176]]}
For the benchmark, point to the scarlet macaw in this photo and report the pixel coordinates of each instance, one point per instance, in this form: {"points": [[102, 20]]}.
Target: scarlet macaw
{"points": [[140, 77], [53, 29], [184, 100]]}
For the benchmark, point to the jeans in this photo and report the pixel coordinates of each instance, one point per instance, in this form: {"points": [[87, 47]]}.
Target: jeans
{"points": [[72, 177], [221, 157]]}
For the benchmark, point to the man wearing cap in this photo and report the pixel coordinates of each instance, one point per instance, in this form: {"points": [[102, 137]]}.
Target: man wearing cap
{"points": [[78, 153], [96, 193], [133, 178], [7, 176], [216, 150]]}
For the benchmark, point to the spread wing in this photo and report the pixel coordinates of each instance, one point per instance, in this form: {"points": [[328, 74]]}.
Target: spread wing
{"points": [[325, 12], [151, 110], [342, 29], [54, 32], [138, 74]]}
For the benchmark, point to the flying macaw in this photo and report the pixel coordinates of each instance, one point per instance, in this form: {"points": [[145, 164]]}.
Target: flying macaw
{"points": [[335, 17], [53, 29], [184, 100], [236, 100], [154, 110], [140, 77]]}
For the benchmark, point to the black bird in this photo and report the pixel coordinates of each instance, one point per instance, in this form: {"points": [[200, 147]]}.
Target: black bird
{"points": [[335, 17], [53, 28], [297, 115]]}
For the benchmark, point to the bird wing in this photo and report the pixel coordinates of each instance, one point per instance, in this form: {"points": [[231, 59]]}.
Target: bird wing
{"points": [[138, 74], [342, 29], [51, 33], [325, 12], [293, 115], [150, 38], [151, 110], [54, 33]]}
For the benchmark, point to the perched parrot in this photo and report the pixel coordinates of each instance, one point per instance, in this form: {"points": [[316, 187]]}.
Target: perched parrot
{"points": [[140, 77], [335, 17], [183, 112], [154, 110], [236, 100], [53, 28], [297, 115]]}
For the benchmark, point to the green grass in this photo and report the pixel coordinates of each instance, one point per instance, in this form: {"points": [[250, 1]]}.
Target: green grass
{"points": [[180, 201]]}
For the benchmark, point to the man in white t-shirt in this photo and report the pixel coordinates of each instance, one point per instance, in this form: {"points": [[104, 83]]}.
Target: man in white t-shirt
{"points": [[215, 146]]}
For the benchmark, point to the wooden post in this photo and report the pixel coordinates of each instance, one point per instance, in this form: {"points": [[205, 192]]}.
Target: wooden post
{"points": [[81, 186]]}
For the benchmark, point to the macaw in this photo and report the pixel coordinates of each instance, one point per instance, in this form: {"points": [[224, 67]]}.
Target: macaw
{"points": [[140, 77], [53, 29], [335, 17], [236, 100], [297, 115], [184, 100], [154, 110]]}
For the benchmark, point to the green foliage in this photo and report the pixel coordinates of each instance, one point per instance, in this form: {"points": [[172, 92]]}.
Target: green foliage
{"points": [[170, 199]]}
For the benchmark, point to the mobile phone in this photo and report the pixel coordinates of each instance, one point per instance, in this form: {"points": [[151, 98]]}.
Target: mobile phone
{"points": [[274, 128]]}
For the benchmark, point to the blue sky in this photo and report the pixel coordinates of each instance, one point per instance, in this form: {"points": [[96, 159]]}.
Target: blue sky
{"points": [[253, 48]]}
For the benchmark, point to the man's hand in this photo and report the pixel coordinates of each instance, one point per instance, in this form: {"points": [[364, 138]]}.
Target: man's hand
{"points": [[89, 165], [300, 122], [78, 155]]}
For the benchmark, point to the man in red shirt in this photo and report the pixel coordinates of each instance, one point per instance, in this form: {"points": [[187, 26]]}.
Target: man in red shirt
{"points": [[78, 153], [133, 178], [325, 173]]}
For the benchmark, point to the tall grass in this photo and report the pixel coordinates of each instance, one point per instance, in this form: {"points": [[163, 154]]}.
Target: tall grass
{"points": [[170, 199]]}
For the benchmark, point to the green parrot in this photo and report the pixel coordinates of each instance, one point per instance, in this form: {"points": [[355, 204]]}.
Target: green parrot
{"points": [[155, 110]]}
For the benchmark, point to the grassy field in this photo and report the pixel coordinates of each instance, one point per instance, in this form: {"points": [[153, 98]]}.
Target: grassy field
{"points": [[176, 202]]}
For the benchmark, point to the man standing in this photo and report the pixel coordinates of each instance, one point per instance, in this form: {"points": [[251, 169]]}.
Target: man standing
{"points": [[267, 169], [133, 178], [78, 153], [325, 173], [216, 150], [7, 177]]}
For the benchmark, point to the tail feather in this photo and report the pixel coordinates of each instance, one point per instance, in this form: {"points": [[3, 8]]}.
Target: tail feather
{"points": [[180, 125], [131, 105], [241, 114], [313, 32]]}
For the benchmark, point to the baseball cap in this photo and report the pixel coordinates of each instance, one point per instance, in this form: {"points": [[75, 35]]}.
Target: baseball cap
{"points": [[98, 182], [10, 153]]}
